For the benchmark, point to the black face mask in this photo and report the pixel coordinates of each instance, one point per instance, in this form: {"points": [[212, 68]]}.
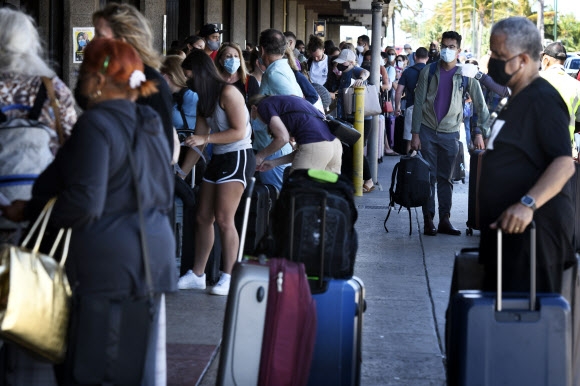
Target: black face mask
{"points": [[496, 70], [341, 67], [433, 53]]}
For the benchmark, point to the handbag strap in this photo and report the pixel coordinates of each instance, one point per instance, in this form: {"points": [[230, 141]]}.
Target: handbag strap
{"points": [[42, 220], [144, 248], [305, 112]]}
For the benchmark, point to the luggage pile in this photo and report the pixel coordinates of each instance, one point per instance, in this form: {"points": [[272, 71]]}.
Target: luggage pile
{"points": [[276, 303]]}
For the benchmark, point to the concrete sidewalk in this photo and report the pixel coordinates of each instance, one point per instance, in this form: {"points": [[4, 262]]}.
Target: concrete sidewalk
{"points": [[407, 280]]}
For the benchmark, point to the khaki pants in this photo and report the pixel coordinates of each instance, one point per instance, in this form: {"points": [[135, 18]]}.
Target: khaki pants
{"points": [[323, 155]]}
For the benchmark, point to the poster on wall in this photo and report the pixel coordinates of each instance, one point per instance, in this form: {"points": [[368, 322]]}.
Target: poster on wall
{"points": [[81, 37], [320, 28]]}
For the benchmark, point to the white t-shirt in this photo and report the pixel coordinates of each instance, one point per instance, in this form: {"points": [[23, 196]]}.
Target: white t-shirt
{"points": [[319, 71]]}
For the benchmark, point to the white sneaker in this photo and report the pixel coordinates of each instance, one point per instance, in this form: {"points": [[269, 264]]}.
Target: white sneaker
{"points": [[191, 281], [222, 287]]}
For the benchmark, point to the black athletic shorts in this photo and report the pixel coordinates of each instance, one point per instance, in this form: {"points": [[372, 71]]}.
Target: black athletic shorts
{"points": [[232, 166]]}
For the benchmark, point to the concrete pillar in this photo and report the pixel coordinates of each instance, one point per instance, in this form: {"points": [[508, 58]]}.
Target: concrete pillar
{"points": [[154, 11], [264, 15], [377, 9], [311, 17], [333, 33], [238, 23], [300, 22], [291, 16], [213, 12], [278, 15]]}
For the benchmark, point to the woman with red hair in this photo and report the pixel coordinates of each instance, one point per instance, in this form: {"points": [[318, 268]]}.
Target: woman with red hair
{"points": [[96, 197]]}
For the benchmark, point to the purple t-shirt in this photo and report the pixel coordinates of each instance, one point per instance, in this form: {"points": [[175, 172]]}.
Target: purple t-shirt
{"points": [[303, 121], [444, 91]]}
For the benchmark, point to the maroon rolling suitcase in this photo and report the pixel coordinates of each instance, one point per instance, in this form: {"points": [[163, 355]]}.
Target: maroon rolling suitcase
{"points": [[290, 328]]}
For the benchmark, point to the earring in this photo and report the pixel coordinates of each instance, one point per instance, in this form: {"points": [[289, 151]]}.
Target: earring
{"points": [[96, 94]]}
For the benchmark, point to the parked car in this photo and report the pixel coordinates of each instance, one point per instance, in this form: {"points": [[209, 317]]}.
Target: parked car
{"points": [[572, 65]]}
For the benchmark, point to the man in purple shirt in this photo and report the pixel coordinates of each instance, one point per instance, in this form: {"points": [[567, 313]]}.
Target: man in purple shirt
{"points": [[437, 117]]}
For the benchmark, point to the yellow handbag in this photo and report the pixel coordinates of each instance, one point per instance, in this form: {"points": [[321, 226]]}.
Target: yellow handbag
{"points": [[35, 294]]}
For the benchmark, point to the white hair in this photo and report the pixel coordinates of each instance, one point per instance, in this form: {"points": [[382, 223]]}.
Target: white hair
{"points": [[20, 46]]}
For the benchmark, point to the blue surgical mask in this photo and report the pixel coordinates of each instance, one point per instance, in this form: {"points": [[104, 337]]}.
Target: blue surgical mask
{"points": [[448, 55], [231, 65], [213, 45]]}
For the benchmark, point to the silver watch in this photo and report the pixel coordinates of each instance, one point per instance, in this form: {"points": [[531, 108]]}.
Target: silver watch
{"points": [[478, 75], [528, 201]]}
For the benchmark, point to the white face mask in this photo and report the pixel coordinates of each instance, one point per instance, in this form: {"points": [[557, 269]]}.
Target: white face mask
{"points": [[400, 64], [360, 48], [391, 58], [448, 55]]}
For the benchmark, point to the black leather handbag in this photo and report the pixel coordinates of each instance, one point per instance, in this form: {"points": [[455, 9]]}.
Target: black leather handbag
{"points": [[343, 130]]}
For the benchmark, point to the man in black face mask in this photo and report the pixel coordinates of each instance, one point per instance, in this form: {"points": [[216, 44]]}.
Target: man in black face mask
{"points": [[526, 166], [434, 55]]}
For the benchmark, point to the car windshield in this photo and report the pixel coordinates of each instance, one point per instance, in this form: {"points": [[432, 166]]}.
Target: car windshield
{"points": [[575, 64]]}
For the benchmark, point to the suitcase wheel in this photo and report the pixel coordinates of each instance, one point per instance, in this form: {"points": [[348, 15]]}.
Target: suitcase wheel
{"points": [[469, 231]]}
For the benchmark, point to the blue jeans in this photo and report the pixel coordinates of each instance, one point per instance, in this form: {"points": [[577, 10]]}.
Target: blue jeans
{"points": [[440, 150]]}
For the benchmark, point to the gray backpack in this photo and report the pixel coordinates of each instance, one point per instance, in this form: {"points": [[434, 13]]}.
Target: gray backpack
{"points": [[24, 151]]}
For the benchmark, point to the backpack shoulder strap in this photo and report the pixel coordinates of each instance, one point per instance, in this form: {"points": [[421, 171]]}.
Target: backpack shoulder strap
{"points": [[49, 90], [41, 96], [432, 69]]}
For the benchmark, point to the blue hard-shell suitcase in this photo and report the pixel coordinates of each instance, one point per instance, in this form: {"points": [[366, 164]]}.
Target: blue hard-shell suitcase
{"points": [[514, 339], [340, 305]]}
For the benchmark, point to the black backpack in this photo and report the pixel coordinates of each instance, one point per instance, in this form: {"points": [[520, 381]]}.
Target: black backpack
{"points": [[313, 223], [412, 175]]}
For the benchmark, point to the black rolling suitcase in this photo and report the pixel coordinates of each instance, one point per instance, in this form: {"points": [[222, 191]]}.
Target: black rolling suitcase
{"points": [[509, 339], [459, 171], [473, 192], [399, 144], [263, 199]]}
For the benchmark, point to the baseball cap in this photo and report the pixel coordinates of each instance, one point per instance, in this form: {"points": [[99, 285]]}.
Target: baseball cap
{"points": [[555, 50], [209, 29], [407, 46], [346, 55]]}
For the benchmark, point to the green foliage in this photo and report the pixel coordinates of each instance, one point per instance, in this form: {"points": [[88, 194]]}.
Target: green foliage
{"points": [[441, 20], [569, 32]]}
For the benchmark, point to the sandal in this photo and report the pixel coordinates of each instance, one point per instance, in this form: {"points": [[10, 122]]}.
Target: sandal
{"points": [[367, 189], [391, 153]]}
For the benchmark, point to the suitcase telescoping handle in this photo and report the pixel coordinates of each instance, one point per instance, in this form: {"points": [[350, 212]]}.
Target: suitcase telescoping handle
{"points": [[248, 194], [532, 268]]}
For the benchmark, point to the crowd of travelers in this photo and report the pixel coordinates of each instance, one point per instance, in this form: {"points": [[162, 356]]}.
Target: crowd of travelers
{"points": [[260, 111]]}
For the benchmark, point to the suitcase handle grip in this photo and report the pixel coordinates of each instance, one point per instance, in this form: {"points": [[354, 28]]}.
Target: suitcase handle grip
{"points": [[248, 196], [532, 268]]}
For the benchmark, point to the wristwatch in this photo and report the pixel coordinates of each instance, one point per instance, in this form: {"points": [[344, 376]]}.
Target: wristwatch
{"points": [[528, 201], [478, 75]]}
